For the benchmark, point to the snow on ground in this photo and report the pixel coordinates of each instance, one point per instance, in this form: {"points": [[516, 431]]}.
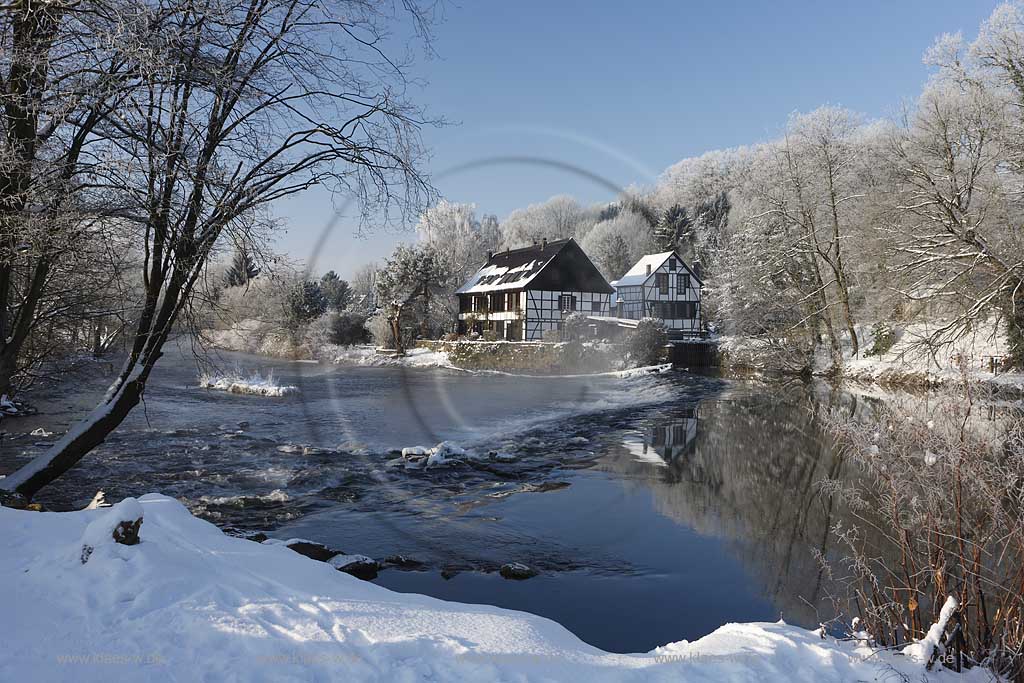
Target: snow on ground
{"points": [[188, 603], [238, 383], [910, 359]]}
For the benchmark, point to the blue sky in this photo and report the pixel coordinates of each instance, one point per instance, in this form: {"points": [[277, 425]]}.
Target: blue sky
{"points": [[625, 90]]}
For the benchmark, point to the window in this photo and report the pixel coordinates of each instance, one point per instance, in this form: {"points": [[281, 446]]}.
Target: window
{"points": [[465, 304], [675, 310], [567, 302], [511, 301], [672, 263], [682, 282], [661, 280]]}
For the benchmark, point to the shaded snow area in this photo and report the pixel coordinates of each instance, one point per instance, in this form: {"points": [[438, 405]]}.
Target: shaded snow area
{"points": [[909, 360], [909, 357], [239, 383], [370, 356], [189, 603]]}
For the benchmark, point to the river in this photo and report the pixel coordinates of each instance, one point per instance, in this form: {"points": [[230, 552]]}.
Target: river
{"points": [[656, 508]]}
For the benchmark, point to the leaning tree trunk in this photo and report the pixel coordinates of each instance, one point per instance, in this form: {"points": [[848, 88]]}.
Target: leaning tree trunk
{"points": [[123, 395]]}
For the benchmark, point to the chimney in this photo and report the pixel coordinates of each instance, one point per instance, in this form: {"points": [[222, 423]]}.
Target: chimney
{"points": [[648, 268], [490, 254], [544, 244]]}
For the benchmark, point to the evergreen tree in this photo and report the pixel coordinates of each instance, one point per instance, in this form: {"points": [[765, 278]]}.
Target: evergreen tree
{"points": [[336, 291], [305, 302], [673, 227], [242, 270]]}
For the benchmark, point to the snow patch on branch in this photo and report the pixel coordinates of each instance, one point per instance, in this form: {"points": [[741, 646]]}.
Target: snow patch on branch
{"points": [[921, 651]]}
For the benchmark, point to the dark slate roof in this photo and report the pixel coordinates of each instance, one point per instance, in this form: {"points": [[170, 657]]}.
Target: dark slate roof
{"points": [[559, 265]]}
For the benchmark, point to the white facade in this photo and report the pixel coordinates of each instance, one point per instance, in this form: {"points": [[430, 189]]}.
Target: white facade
{"points": [[660, 286], [545, 310]]}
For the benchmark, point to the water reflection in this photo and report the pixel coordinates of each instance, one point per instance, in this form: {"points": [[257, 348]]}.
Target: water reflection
{"points": [[747, 469]]}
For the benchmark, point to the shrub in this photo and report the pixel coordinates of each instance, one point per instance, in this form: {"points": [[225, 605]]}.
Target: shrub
{"points": [[943, 500], [646, 344], [574, 327], [885, 338], [339, 329], [380, 331]]}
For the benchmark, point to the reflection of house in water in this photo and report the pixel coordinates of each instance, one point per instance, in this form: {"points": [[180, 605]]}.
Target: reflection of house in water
{"points": [[673, 439]]}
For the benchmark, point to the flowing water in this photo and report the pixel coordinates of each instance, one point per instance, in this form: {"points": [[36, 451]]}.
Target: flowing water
{"points": [[656, 508]]}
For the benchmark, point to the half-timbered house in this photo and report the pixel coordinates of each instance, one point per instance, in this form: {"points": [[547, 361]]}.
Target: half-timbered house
{"points": [[519, 294], [661, 286]]}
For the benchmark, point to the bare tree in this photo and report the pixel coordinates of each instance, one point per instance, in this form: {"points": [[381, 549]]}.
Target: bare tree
{"points": [[63, 68], [956, 230], [243, 102]]}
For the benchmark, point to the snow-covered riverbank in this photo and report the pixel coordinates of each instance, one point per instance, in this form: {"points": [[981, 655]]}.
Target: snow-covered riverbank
{"points": [[189, 603]]}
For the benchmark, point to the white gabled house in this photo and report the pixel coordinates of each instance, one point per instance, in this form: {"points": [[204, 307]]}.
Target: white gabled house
{"points": [[660, 286], [521, 293]]}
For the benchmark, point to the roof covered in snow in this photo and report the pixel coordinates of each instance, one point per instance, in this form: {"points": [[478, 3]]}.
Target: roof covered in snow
{"points": [[559, 265], [639, 273]]}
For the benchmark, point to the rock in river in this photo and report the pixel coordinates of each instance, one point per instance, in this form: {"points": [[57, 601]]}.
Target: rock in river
{"points": [[517, 571], [360, 566]]}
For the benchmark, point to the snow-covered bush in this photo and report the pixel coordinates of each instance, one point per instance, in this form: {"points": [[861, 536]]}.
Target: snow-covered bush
{"points": [[940, 514], [646, 344]]}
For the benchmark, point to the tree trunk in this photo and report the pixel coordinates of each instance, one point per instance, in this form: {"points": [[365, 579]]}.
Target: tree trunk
{"points": [[8, 369], [1015, 328], [396, 333], [123, 395]]}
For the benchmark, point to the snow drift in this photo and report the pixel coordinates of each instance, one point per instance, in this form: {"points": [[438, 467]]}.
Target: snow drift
{"points": [[189, 603]]}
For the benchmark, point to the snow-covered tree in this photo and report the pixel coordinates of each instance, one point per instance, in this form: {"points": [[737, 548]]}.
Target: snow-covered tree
{"points": [[363, 285], [616, 244], [460, 241], [410, 278], [239, 106], [555, 219], [959, 157]]}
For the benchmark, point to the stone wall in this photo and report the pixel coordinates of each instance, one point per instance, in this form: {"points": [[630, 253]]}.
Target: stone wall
{"points": [[539, 358]]}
